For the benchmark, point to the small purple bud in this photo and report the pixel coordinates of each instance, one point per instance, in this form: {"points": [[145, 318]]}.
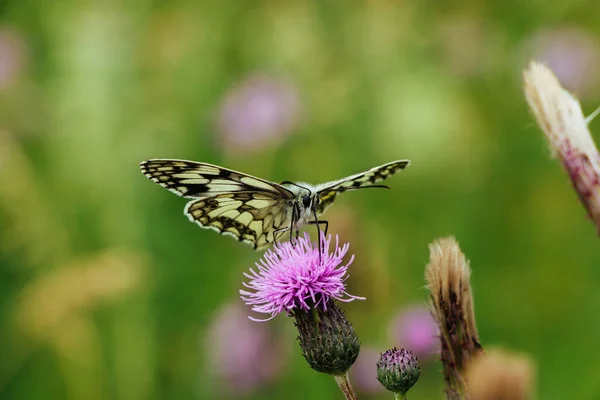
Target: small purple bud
{"points": [[398, 370]]}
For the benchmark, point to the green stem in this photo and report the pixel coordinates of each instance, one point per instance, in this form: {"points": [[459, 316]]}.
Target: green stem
{"points": [[344, 384], [399, 396]]}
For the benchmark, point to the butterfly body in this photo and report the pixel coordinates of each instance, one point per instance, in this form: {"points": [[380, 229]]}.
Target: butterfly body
{"points": [[251, 209], [305, 196]]}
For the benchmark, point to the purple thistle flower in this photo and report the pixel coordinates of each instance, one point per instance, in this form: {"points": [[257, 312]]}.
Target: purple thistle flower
{"points": [[295, 277]]}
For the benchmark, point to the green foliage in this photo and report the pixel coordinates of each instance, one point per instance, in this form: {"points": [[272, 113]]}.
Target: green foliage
{"points": [[108, 292]]}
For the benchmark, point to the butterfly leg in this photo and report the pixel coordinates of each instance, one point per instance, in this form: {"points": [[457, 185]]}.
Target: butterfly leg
{"points": [[293, 222], [318, 223], [278, 232]]}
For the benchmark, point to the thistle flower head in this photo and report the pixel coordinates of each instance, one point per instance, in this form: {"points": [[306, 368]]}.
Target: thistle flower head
{"points": [[295, 277], [398, 370]]}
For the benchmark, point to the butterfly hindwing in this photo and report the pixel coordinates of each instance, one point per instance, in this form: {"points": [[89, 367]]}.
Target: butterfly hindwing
{"points": [[327, 192], [255, 218]]}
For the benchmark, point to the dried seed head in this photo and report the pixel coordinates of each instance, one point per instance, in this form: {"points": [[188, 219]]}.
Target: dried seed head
{"points": [[559, 115], [448, 280]]}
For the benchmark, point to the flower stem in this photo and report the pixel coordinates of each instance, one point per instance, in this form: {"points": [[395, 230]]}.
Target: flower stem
{"points": [[399, 396], [344, 384]]}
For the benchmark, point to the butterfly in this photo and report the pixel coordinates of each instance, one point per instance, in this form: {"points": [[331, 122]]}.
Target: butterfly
{"points": [[251, 209]]}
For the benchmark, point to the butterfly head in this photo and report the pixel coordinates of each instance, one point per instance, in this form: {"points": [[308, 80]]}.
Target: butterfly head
{"points": [[305, 206], [307, 200]]}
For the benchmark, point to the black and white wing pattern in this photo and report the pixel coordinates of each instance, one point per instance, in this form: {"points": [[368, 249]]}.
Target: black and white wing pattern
{"points": [[194, 179], [248, 208], [327, 192]]}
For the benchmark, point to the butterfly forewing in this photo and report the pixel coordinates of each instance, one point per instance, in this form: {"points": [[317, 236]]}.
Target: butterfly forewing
{"points": [[328, 191], [192, 179]]}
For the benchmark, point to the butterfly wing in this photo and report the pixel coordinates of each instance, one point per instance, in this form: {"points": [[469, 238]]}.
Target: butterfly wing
{"points": [[248, 208], [327, 192], [195, 180], [256, 218]]}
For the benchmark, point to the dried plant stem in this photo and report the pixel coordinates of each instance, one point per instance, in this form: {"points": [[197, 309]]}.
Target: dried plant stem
{"points": [[344, 384]]}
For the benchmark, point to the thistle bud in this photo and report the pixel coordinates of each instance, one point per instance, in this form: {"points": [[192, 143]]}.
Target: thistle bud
{"points": [[398, 370], [328, 341]]}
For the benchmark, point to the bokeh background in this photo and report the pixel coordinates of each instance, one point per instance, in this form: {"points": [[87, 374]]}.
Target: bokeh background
{"points": [[108, 292]]}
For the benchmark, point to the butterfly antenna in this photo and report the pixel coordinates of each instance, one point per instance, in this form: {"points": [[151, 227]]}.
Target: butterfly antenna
{"points": [[367, 187]]}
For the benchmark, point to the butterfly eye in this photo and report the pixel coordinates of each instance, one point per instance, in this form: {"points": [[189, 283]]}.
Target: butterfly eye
{"points": [[306, 201]]}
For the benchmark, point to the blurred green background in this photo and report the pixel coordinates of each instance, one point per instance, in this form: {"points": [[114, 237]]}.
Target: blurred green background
{"points": [[108, 292]]}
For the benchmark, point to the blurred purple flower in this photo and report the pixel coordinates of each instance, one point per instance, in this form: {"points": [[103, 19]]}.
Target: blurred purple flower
{"points": [[12, 56], [295, 276], [242, 354], [464, 43], [415, 329], [364, 371], [257, 112], [572, 54]]}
